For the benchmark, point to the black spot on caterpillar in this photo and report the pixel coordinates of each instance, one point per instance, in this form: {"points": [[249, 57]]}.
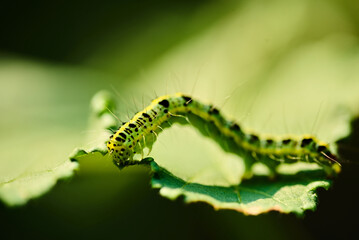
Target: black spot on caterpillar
{"points": [[164, 103], [271, 151], [306, 142]]}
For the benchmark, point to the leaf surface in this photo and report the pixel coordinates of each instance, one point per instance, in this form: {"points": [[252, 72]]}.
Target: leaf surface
{"points": [[289, 193], [39, 126]]}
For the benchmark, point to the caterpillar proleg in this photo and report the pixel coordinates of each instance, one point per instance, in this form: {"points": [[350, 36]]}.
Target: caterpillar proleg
{"points": [[142, 130]]}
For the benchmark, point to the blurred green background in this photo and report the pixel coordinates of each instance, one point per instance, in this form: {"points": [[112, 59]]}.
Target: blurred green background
{"points": [[54, 56]]}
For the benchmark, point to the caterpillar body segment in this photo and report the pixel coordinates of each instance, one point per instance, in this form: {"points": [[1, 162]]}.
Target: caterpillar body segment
{"points": [[142, 131]]}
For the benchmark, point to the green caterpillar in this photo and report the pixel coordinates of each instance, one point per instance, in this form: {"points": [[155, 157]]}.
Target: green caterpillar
{"points": [[142, 130]]}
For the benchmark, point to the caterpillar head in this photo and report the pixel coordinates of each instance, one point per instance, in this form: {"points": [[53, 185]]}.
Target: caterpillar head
{"points": [[119, 150]]}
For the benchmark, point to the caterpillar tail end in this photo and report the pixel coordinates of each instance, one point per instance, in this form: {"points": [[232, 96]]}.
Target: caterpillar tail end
{"points": [[333, 170], [337, 168]]}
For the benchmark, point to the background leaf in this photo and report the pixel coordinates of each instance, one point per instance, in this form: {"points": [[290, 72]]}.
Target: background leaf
{"points": [[122, 46], [38, 126]]}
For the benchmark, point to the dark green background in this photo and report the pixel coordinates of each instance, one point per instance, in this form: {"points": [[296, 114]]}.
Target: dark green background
{"points": [[121, 205]]}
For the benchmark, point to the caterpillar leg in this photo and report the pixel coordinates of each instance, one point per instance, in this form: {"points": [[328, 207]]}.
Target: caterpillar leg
{"points": [[272, 172], [248, 165], [149, 141], [248, 173], [149, 151], [141, 149], [271, 163]]}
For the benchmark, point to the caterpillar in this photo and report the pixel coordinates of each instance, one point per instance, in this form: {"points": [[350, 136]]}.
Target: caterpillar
{"points": [[142, 130]]}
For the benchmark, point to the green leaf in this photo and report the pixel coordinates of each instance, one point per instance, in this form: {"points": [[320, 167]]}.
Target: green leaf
{"points": [[39, 126], [289, 193], [33, 184]]}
